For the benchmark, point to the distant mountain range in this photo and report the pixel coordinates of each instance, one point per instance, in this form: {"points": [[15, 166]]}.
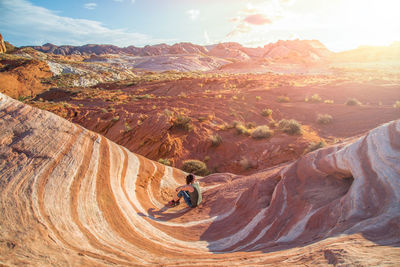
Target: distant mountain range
{"points": [[309, 50], [289, 51]]}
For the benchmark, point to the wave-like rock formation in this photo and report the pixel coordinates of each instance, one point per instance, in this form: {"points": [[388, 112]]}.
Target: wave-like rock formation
{"points": [[70, 197]]}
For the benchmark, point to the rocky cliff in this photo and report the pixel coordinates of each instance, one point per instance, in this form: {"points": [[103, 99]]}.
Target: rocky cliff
{"points": [[2, 45], [72, 197]]}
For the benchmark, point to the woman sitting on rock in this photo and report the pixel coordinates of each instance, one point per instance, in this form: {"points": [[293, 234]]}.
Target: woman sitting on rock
{"points": [[190, 192]]}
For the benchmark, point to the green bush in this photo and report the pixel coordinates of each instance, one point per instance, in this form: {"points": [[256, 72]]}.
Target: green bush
{"points": [[314, 146], [353, 102], [262, 131], [266, 112], [183, 122], [216, 140], [315, 98], [128, 128], [283, 99], [146, 96], [22, 98], [241, 129], [397, 104], [195, 166], [324, 118], [291, 127], [164, 161]]}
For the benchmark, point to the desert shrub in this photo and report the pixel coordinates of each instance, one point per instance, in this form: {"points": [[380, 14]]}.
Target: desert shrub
{"points": [[315, 98], [262, 131], [104, 110], [291, 127], [224, 126], [168, 113], [115, 119], [216, 140], [328, 101], [182, 94], [314, 146], [266, 112], [22, 98], [146, 96], [204, 118], [251, 125], [183, 122], [128, 128], [273, 124], [246, 164], [258, 98], [234, 123], [283, 99], [397, 104], [65, 105], [206, 158], [241, 129], [195, 166], [353, 102], [164, 161], [324, 118]]}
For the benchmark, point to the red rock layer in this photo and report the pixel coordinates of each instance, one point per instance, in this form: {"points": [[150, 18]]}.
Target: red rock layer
{"points": [[69, 196]]}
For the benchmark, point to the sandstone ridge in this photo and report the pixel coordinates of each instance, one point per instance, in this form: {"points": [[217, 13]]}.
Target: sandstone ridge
{"points": [[71, 197], [2, 45]]}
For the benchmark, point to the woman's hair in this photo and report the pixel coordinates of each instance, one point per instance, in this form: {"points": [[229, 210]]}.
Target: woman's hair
{"points": [[189, 178]]}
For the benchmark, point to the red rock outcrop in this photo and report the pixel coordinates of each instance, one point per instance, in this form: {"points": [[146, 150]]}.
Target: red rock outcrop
{"points": [[297, 51], [72, 197], [2, 45], [23, 77]]}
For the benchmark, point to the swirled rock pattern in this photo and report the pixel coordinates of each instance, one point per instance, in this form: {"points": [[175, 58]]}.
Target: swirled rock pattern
{"points": [[70, 197]]}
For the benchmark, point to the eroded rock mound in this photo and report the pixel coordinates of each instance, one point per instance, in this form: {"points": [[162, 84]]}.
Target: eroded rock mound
{"points": [[2, 45], [23, 77], [72, 197]]}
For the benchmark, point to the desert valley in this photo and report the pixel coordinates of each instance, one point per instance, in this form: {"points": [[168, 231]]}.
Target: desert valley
{"points": [[296, 147]]}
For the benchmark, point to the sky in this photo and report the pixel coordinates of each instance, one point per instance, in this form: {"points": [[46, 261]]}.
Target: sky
{"points": [[338, 24]]}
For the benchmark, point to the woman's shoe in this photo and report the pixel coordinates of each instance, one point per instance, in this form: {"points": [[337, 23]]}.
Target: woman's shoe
{"points": [[173, 203]]}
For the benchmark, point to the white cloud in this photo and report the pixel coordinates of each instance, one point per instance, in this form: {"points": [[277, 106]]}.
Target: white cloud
{"points": [[90, 5], [37, 25], [193, 13]]}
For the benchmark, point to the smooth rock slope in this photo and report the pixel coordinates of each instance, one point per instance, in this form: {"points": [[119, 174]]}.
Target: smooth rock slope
{"points": [[70, 197]]}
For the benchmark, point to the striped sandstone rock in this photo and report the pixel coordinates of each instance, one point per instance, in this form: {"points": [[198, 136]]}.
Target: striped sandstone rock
{"points": [[70, 197]]}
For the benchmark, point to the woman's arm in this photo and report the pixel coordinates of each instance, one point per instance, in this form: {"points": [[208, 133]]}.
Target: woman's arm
{"points": [[186, 187]]}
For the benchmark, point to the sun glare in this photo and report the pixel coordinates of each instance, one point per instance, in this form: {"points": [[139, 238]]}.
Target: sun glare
{"points": [[373, 22]]}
